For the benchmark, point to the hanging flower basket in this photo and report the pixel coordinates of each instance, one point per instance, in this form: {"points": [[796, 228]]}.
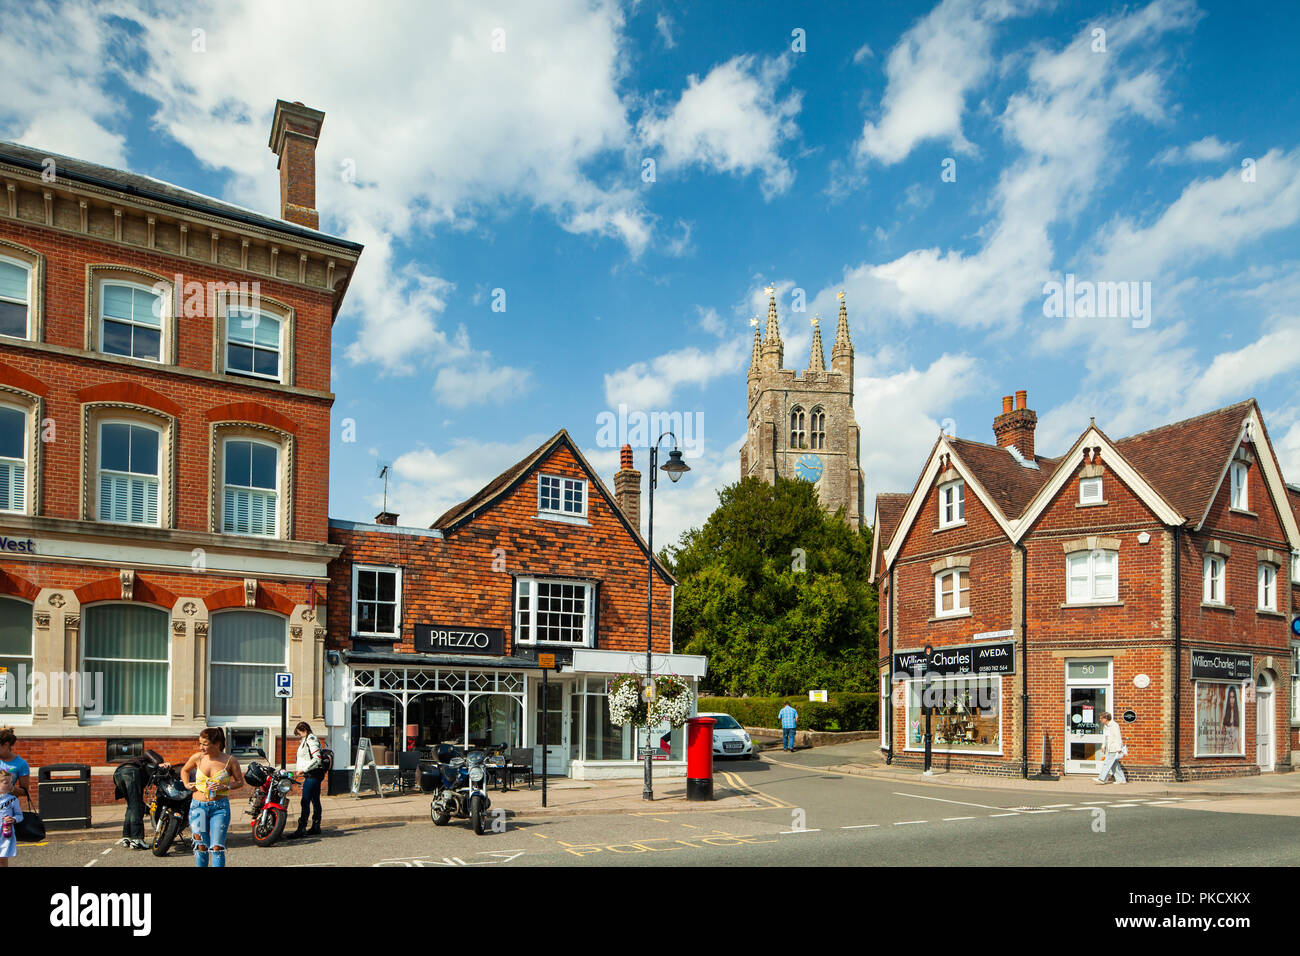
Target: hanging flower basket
{"points": [[672, 703]]}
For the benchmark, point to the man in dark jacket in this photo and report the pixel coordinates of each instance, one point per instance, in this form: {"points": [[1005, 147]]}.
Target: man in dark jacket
{"points": [[129, 780]]}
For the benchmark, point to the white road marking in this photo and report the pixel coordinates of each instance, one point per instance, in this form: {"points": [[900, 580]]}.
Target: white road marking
{"points": [[904, 823], [1159, 803], [107, 852], [801, 831], [1085, 809], [1118, 805], [861, 826], [918, 796], [951, 819], [93, 862], [1004, 814]]}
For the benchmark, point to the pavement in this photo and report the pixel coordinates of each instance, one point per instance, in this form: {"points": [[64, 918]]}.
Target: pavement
{"points": [[565, 798]]}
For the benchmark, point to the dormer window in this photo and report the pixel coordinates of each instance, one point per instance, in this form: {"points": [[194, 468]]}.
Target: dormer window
{"points": [[1090, 492], [952, 504], [561, 496], [1239, 495]]}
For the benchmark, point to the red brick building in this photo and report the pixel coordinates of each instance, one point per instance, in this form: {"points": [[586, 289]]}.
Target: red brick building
{"points": [[434, 634], [1146, 576], [164, 454]]}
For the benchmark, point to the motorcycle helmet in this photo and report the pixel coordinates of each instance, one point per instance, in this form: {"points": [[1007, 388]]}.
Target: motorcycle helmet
{"points": [[446, 752], [255, 775]]}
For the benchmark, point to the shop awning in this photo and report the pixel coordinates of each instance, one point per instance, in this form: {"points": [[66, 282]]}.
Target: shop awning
{"points": [[591, 661]]}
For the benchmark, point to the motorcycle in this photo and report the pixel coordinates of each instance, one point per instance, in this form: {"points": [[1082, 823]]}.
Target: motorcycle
{"points": [[169, 809], [269, 804], [459, 787]]}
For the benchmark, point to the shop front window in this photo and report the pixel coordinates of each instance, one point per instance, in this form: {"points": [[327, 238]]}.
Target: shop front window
{"points": [[433, 719], [495, 720], [603, 739], [15, 655], [377, 716], [246, 648], [1220, 731], [129, 644], [966, 714]]}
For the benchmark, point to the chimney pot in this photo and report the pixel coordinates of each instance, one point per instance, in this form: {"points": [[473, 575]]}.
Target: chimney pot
{"points": [[625, 458], [1015, 426], [386, 517], [295, 130], [627, 488], [1006, 404], [1022, 397]]}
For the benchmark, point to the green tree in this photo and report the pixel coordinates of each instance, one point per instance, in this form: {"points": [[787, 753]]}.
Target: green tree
{"points": [[774, 592]]}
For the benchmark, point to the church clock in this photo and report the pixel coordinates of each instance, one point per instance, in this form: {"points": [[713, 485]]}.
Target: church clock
{"points": [[809, 467]]}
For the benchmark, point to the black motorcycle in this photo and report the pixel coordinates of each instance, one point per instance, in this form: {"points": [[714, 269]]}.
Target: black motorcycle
{"points": [[459, 787], [169, 809]]}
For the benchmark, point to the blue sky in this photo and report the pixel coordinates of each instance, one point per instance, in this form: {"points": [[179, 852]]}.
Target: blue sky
{"points": [[480, 146]]}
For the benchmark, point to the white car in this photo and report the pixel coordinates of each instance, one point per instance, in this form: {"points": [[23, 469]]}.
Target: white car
{"points": [[729, 738]]}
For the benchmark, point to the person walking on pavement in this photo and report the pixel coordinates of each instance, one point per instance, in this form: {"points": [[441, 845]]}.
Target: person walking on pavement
{"points": [[310, 771], [789, 718], [129, 784], [1112, 749]]}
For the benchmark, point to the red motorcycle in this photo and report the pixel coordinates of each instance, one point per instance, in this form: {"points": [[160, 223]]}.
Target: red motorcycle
{"points": [[269, 804]]}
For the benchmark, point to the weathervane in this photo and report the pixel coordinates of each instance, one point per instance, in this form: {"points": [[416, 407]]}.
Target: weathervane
{"points": [[840, 295], [753, 321], [770, 290], [816, 320]]}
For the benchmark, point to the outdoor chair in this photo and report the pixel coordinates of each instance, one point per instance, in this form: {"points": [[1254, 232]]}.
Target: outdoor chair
{"points": [[521, 764], [408, 770]]}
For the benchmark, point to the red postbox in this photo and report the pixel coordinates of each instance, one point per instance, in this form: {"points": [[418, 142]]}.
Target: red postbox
{"points": [[699, 758]]}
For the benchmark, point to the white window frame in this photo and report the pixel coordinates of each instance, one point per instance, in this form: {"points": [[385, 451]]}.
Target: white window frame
{"points": [[24, 462], [530, 637], [957, 591], [912, 713], [157, 476], [164, 320], [1239, 486], [280, 348], [396, 633], [564, 482], [1092, 567], [128, 720], [1295, 567], [31, 272], [1266, 579], [241, 720], [1295, 682], [23, 718], [1209, 593], [278, 489], [1090, 483], [957, 504]]}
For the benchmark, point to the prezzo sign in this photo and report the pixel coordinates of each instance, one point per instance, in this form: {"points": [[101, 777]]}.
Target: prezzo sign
{"points": [[440, 639], [1215, 665], [985, 659]]}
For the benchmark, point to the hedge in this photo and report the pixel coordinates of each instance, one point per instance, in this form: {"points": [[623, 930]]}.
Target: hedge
{"points": [[843, 711]]}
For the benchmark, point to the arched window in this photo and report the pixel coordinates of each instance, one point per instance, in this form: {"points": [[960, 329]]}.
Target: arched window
{"points": [[129, 644], [245, 649], [130, 468], [798, 433], [250, 500], [15, 298], [817, 426], [15, 655]]}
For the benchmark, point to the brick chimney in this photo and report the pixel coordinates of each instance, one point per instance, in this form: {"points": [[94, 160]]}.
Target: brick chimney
{"points": [[627, 488], [1015, 426], [295, 130], [386, 517]]}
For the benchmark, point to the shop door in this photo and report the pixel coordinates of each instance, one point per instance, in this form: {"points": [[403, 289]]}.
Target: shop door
{"points": [[1084, 705], [1264, 724], [558, 709]]}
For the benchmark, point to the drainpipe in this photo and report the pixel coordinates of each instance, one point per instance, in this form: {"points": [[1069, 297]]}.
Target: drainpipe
{"points": [[889, 673], [1024, 661], [1178, 649]]}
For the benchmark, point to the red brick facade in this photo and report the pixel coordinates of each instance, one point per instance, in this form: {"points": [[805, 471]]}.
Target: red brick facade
{"points": [[1134, 632]]}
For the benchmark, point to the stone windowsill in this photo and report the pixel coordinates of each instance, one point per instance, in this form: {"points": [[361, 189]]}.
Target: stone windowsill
{"points": [[1209, 605], [1095, 604], [949, 527], [563, 519], [1091, 504], [1243, 511], [947, 617], [1268, 612]]}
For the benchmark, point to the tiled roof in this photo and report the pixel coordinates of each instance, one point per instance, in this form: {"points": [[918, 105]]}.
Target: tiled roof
{"points": [[79, 170], [1184, 461], [1011, 485], [889, 512]]}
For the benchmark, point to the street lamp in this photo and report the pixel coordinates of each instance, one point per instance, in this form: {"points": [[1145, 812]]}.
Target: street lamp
{"points": [[675, 468]]}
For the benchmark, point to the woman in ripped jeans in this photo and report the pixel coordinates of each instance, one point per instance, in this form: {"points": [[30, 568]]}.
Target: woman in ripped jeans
{"points": [[217, 773]]}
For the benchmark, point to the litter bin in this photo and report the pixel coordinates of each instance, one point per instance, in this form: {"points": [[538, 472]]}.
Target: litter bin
{"points": [[64, 793], [699, 758]]}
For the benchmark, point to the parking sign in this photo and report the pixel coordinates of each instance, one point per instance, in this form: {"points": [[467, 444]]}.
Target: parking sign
{"points": [[283, 684]]}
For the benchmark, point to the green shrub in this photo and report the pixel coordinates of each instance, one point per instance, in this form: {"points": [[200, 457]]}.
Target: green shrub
{"points": [[842, 711]]}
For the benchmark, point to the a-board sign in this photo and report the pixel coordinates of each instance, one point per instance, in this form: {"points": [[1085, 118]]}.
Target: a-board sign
{"points": [[365, 760], [546, 661]]}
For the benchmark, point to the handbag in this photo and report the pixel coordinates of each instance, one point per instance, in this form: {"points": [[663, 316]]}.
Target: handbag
{"points": [[31, 828]]}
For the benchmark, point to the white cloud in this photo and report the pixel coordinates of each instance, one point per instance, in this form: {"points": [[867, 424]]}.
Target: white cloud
{"points": [[1207, 150], [480, 383], [730, 121], [664, 24], [650, 385], [930, 71]]}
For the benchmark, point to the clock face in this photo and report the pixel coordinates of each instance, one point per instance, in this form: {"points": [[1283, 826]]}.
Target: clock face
{"points": [[808, 467]]}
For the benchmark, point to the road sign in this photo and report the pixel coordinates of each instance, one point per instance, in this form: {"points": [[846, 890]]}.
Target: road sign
{"points": [[817, 696], [546, 661], [283, 684]]}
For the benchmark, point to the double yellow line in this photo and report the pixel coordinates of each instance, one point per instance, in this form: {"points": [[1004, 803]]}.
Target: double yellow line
{"points": [[735, 783]]}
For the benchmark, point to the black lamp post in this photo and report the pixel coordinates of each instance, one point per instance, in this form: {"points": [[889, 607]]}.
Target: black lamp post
{"points": [[675, 468]]}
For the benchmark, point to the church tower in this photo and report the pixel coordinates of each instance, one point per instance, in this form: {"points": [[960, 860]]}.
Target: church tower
{"points": [[801, 424]]}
